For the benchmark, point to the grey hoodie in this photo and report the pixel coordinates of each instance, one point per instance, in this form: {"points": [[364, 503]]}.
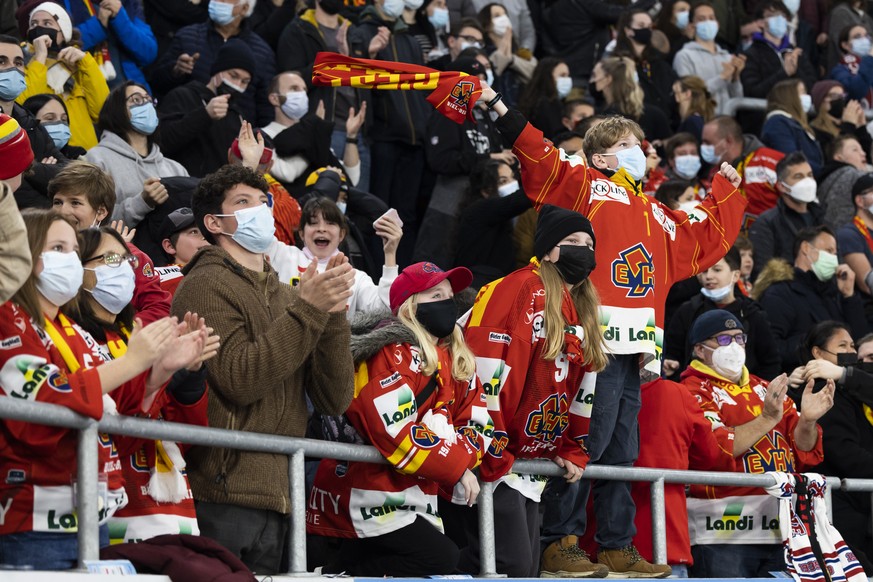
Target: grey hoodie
{"points": [[130, 170], [695, 60]]}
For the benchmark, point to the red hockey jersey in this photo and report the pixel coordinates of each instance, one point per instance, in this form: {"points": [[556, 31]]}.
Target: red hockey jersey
{"points": [[758, 171], [743, 515], [367, 500], [544, 405], [642, 246]]}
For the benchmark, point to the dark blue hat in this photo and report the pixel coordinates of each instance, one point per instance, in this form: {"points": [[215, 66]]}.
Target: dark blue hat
{"points": [[712, 323]]}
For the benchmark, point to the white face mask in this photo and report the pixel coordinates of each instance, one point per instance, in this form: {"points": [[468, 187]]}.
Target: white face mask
{"points": [[728, 361], [508, 188], [717, 295], [501, 24], [393, 8], [633, 160], [806, 102], [255, 228], [342, 206], [296, 104], [60, 278], [802, 191], [413, 4], [115, 286], [564, 85]]}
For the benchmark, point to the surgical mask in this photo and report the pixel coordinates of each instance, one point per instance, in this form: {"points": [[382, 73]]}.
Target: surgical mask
{"points": [[792, 5], [438, 317], [825, 265], [706, 30], [507, 189], [564, 86], [392, 8], [777, 26], [439, 19], [633, 160], [575, 263], [489, 77], [220, 13], [501, 24], [682, 19], [717, 295], [115, 286], [254, 228], [413, 4], [687, 166], [60, 278], [342, 206], [707, 152], [465, 45], [144, 118], [802, 191], [59, 132], [806, 102], [728, 361], [860, 47], [296, 104], [687, 207], [12, 84]]}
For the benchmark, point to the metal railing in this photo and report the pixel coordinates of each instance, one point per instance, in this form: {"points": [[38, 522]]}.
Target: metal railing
{"points": [[298, 448]]}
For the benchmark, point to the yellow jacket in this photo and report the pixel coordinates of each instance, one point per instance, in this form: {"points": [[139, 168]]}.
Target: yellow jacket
{"points": [[83, 102]]}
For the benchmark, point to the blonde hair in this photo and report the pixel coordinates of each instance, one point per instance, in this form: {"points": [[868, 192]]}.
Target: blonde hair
{"points": [[784, 97], [607, 133], [587, 304], [702, 102], [463, 360], [626, 94]]}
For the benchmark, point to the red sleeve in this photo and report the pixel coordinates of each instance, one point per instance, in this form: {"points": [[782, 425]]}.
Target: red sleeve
{"points": [[150, 301], [573, 440], [385, 413], [472, 420], [711, 447], [31, 371]]}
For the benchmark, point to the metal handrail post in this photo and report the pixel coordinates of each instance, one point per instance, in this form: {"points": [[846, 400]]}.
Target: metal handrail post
{"points": [[297, 537], [659, 522], [87, 495], [487, 544]]}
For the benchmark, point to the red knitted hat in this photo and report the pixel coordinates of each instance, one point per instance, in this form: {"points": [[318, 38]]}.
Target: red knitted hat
{"points": [[15, 153]]}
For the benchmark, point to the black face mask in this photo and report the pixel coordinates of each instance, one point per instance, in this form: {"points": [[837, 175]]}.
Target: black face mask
{"points": [[438, 317], [837, 107], [331, 6], [38, 31], [642, 35], [847, 359], [575, 263]]}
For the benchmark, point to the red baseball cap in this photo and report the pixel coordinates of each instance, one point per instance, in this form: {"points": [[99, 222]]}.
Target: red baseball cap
{"points": [[421, 277]]}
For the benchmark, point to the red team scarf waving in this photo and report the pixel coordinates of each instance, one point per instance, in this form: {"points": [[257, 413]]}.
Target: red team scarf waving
{"points": [[452, 93]]}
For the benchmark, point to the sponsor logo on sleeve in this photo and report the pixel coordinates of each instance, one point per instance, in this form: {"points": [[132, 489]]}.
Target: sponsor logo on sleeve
{"points": [[492, 373], [396, 409], [392, 379], [607, 191], [11, 343], [499, 338], [23, 377], [667, 223]]}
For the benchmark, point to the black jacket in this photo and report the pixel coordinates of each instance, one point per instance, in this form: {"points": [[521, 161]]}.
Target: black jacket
{"points": [[190, 136], [762, 355], [310, 139], [773, 234], [764, 69], [33, 192], [454, 148], [794, 306]]}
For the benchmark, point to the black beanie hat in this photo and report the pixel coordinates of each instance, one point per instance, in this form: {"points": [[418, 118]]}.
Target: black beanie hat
{"points": [[234, 54], [554, 224], [863, 184]]}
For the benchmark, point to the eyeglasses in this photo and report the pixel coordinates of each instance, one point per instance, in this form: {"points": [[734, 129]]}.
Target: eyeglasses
{"points": [[114, 260], [725, 339], [138, 99]]}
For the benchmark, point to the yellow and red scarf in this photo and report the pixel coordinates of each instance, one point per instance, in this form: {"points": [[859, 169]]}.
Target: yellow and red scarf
{"points": [[452, 93]]}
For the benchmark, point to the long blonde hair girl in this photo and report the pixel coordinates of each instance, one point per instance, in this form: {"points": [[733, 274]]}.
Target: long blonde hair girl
{"points": [[624, 92], [463, 360], [587, 303]]}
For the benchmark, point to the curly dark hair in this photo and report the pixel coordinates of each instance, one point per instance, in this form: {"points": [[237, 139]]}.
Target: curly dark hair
{"points": [[210, 194]]}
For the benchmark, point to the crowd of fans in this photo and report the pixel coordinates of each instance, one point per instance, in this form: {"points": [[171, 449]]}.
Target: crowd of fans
{"points": [[608, 263]]}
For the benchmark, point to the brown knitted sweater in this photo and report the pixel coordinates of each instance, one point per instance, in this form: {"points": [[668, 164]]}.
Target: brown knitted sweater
{"points": [[275, 350]]}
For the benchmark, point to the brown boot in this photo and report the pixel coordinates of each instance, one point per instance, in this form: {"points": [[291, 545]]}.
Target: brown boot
{"points": [[565, 559], [627, 562]]}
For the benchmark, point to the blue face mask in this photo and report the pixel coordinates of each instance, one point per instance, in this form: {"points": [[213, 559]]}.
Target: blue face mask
{"points": [[564, 85], [633, 160], [392, 8], [682, 19], [687, 166], [144, 118], [489, 77], [707, 152], [254, 228], [439, 19], [220, 13], [777, 26], [59, 132], [860, 46], [11, 84], [706, 30]]}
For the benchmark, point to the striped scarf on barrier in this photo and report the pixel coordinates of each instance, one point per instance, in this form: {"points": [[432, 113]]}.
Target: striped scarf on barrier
{"points": [[814, 549], [452, 93]]}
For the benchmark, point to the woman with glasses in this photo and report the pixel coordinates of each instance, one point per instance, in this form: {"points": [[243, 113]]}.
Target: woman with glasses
{"points": [[847, 433], [129, 153], [47, 357], [160, 501], [769, 435]]}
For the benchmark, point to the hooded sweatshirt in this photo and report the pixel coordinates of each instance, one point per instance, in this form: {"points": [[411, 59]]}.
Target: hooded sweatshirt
{"points": [[694, 59], [129, 170]]}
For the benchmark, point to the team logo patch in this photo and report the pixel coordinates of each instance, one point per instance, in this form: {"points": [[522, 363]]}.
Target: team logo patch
{"points": [[469, 433], [459, 99], [634, 270], [139, 461], [608, 192], [498, 444], [424, 437], [147, 271], [548, 422], [59, 382], [431, 268], [15, 476]]}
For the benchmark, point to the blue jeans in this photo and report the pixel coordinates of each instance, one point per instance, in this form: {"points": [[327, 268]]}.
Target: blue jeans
{"points": [[737, 561], [43, 550], [679, 570], [613, 440], [338, 145]]}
